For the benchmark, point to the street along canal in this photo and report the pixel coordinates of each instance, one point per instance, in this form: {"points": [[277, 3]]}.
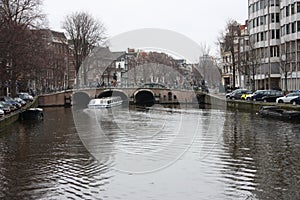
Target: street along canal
{"points": [[153, 154]]}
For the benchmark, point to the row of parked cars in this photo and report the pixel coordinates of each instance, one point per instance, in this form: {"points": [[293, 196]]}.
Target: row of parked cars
{"points": [[9, 104], [265, 96]]}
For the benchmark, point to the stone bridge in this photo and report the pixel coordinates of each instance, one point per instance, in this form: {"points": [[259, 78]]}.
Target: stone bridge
{"points": [[137, 96]]}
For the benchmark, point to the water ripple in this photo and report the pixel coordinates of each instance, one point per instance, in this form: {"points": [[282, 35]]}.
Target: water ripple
{"points": [[227, 155]]}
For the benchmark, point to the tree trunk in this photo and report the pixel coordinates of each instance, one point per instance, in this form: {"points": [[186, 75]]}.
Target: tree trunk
{"points": [[285, 81], [253, 79], [233, 68]]}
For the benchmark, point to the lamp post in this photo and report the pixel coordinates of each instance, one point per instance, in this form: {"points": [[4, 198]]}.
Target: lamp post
{"points": [[283, 59], [126, 71]]}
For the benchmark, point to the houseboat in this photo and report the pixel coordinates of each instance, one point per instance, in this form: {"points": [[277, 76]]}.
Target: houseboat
{"points": [[279, 113], [105, 102]]}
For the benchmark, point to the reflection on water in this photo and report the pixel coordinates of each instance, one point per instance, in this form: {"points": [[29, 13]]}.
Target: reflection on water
{"points": [[153, 154], [266, 152], [47, 160]]}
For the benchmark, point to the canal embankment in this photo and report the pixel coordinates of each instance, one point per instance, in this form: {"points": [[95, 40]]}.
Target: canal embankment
{"points": [[243, 105], [14, 116]]}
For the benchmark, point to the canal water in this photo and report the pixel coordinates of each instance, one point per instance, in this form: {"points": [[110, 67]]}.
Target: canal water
{"points": [[159, 153]]}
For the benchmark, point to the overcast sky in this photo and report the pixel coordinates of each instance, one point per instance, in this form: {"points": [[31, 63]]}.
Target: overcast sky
{"points": [[200, 20]]}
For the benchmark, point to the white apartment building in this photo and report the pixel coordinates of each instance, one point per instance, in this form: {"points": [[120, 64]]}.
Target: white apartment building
{"points": [[264, 41], [274, 29], [290, 44]]}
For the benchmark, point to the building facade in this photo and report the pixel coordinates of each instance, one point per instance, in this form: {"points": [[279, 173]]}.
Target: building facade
{"points": [[267, 52], [102, 68], [240, 72], [274, 27], [264, 33], [54, 75], [290, 44]]}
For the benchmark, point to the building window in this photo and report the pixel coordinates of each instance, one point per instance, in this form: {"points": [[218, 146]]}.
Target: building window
{"points": [[272, 17], [298, 26], [262, 53], [265, 3], [277, 17], [278, 34], [293, 9], [256, 6], [287, 11], [282, 30], [282, 13], [294, 27], [261, 20], [265, 19], [274, 51], [298, 7], [262, 4], [287, 28], [272, 34], [298, 43]]}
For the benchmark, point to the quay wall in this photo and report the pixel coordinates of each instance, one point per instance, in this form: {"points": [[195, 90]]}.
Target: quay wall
{"points": [[13, 117], [54, 100], [8, 120]]}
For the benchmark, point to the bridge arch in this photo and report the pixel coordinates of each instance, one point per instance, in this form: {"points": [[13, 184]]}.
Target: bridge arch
{"points": [[80, 99], [109, 93], [144, 97]]}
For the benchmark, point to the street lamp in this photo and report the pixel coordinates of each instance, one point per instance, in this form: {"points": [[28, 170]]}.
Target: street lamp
{"points": [[283, 59]]}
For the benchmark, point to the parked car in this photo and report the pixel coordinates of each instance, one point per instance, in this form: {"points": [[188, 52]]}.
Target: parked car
{"points": [[11, 106], [10, 101], [5, 107], [236, 94], [227, 95], [19, 100], [25, 96], [257, 95], [246, 95], [287, 98], [296, 101], [266, 95], [1, 113], [272, 96]]}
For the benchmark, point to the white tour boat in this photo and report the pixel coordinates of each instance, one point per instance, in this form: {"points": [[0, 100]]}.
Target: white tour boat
{"points": [[105, 102]]}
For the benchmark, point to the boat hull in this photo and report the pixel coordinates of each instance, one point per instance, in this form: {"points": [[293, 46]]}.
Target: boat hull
{"points": [[107, 102], [278, 113], [104, 106]]}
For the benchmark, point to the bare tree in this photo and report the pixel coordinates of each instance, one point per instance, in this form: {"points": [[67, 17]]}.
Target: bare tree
{"points": [[205, 48], [254, 61], [156, 67], [85, 32], [284, 60], [27, 13], [227, 40], [204, 64], [16, 46]]}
